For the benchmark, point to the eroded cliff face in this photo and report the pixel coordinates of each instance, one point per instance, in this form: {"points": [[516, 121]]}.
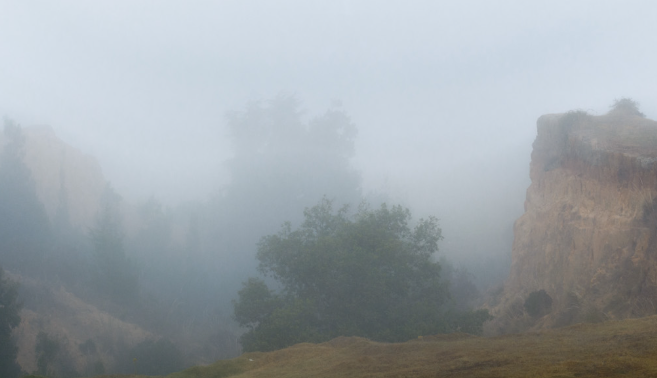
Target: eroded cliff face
{"points": [[62, 172], [588, 236]]}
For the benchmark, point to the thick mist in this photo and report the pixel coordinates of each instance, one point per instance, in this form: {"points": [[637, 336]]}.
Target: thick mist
{"points": [[441, 93], [144, 87], [216, 122]]}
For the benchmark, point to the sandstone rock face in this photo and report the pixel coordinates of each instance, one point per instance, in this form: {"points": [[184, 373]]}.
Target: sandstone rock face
{"points": [[588, 236], [55, 166]]}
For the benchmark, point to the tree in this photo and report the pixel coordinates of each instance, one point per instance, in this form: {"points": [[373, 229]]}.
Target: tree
{"points": [[9, 319], [24, 224], [282, 163], [538, 303], [115, 274], [160, 357], [46, 350], [152, 244], [369, 275], [626, 106]]}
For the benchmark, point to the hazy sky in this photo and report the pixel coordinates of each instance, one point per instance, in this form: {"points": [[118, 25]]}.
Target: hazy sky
{"points": [[444, 94]]}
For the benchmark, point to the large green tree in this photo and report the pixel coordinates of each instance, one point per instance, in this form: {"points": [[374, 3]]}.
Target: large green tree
{"points": [[370, 274], [9, 318]]}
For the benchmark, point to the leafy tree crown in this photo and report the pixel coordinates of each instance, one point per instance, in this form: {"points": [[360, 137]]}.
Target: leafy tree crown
{"points": [[626, 106], [368, 274]]}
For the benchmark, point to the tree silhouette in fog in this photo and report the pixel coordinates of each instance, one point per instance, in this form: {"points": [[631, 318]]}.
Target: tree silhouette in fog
{"points": [[9, 318], [115, 275], [282, 164], [24, 224], [369, 275]]}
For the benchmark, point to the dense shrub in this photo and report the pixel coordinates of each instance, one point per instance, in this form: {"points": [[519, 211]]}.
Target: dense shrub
{"points": [[538, 304], [46, 350], [160, 357], [627, 106], [370, 275]]}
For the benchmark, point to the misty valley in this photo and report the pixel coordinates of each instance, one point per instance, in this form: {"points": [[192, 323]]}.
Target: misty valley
{"points": [[290, 251], [316, 188]]}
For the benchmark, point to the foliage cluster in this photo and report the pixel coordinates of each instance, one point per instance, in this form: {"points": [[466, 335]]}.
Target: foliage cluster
{"points": [[46, 350], [9, 318], [159, 357], [369, 275], [115, 274], [52, 358], [131, 277], [282, 164], [572, 118], [626, 106], [538, 303], [24, 224]]}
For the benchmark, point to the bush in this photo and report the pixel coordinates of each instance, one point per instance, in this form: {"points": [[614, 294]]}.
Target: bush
{"points": [[627, 106], [538, 304], [160, 357], [46, 350]]}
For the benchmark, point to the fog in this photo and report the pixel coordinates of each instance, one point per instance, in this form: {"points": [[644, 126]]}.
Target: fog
{"points": [[144, 87], [444, 95]]}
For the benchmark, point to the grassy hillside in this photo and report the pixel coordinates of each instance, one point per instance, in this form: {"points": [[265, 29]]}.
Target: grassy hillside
{"points": [[625, 348]]}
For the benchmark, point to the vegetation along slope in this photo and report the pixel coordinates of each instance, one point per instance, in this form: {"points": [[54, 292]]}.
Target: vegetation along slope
{"points": [[625, 348]]}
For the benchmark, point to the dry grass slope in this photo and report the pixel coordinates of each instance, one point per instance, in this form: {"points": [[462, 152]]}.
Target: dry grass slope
{"points": [[625, 348]]}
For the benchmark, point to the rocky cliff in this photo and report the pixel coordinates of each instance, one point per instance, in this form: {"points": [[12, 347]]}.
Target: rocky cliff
{"points": [[62, 172], [588, 236]]}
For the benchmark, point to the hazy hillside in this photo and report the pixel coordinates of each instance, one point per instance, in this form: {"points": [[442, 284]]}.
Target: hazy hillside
{"points": [[87, 337], [184, 182], [59, 169]]}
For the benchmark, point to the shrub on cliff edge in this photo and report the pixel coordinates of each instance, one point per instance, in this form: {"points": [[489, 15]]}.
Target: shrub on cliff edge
{"points": [[626, 105]]}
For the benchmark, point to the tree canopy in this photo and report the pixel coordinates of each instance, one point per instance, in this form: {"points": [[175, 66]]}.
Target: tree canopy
{"points": [[369, 274], [271, 141], [283, 164], [626, 106], [24, 224], [283, 161], [9, 318], [115, 274]]}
